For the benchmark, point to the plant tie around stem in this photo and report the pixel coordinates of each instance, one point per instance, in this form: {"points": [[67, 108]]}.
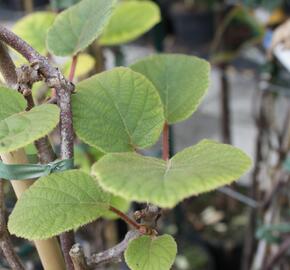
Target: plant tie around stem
{"points": [[32, 171]]}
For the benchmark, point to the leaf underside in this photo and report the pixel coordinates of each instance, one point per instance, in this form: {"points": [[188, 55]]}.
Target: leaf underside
{"points": [[117, 111], [145, 253], [57, 203], [197, 169]]}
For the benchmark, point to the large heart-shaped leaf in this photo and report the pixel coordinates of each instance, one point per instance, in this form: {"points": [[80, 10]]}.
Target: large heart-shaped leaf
{"points": [[146, 253], [129, 21], [77, 27], [23, 128], [117, 111], [57, 203], [181, 81], [11, 102], [33, 28], [200, 168]]}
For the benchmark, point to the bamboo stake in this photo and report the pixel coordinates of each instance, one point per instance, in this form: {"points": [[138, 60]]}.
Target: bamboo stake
{"points": [[48, 250]]}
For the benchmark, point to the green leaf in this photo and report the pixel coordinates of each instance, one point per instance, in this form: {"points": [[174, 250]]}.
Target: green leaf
{"points": [[129, 21], [117, 111], [181, 81], [33, 29], [77, 27], [85, 64], [146, 253], [200, 168], [24, 128], [11, 102], [57, 203]]}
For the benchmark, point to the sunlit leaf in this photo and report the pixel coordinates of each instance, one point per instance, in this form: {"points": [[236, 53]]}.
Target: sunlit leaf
{"points": [[129, 21]]}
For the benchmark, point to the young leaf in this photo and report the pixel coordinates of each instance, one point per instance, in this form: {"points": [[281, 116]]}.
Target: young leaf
{"points": [[11, 102], [200, 168], [78, 26], [129, 21], [33, 28], [146, 253], [117, 111], [23, 128], [57, 203], [181, 81]]}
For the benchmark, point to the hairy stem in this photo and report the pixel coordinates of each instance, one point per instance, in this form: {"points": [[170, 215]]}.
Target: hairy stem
{"points": [[5, 240], [125, 217], [165, 142], [73, 68]]}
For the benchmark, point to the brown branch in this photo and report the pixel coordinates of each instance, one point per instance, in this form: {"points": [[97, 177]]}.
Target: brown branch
{"points": [[7, 67], [280, 253], [64, 88], [113, 254], [5, 240], [78, 258]]}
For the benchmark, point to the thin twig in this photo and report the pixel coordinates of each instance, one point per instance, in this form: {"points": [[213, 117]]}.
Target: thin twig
{"points": [[73, 68], [128, 220], [5, 240], [113, 254], [285, 246]]}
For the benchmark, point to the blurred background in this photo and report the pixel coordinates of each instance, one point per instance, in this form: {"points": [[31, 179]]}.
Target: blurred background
{"points": [[244, 226]]}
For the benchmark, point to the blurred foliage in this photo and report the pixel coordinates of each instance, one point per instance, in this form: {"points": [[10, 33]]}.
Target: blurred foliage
{"points": [[238, 29], [62, 4], [273, 233], [267, 4]]}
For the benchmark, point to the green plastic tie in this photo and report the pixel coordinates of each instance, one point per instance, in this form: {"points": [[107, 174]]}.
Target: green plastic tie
{"points": [[31, 171]]}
